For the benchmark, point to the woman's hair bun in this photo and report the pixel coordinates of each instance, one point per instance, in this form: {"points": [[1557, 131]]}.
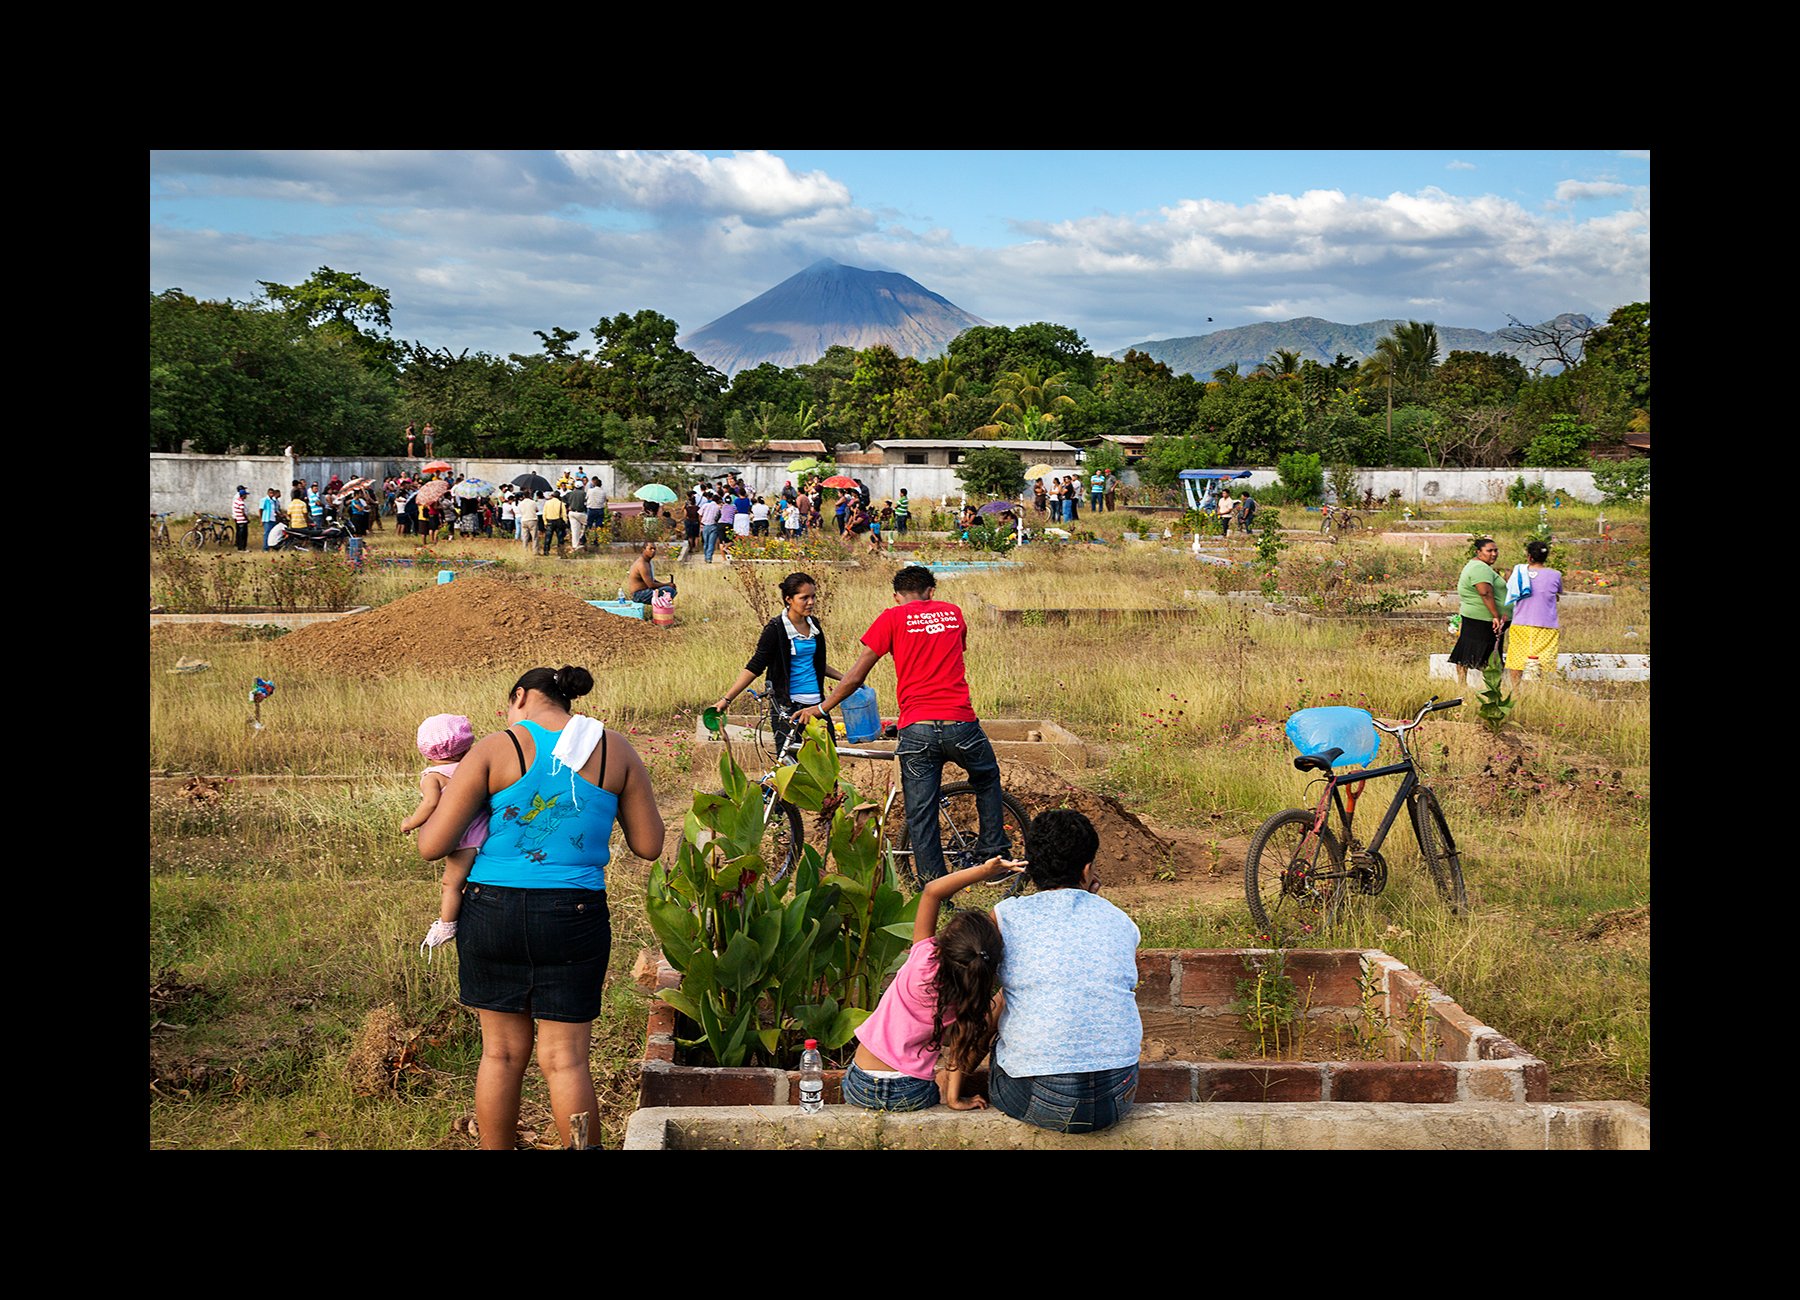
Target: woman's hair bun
{"points": [[574, 682]]}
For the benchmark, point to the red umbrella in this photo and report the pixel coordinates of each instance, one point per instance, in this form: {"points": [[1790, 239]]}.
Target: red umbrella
{"points": [[433, 492], [436, 467], [838, 481]]}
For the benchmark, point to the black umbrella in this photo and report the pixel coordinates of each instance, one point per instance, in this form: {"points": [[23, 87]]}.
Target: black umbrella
{"points": [[532, 483]]}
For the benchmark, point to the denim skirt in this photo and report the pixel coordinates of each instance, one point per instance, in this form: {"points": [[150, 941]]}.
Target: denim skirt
{"points": [[535, 952]]}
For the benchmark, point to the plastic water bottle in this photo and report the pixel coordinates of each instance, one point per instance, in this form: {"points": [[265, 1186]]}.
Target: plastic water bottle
{"points": [[812, 1079]]}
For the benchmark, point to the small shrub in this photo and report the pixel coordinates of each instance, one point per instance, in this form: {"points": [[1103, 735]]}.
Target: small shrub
{"points": [[1619, 481], [1301, 477]]}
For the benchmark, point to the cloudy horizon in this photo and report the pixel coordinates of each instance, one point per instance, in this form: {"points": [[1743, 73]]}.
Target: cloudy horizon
{"points": [[479, 249]]}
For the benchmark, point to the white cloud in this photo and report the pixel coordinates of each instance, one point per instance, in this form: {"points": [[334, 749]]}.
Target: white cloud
{"points": [[1575, 191], [756, 186], [480, 250], [1458, 165]]}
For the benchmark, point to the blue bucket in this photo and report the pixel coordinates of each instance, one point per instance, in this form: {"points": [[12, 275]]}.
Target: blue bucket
{"points": [[862, 716], [446, 575]]}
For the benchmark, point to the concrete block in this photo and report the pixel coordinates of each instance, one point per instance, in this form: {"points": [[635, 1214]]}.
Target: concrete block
{"points": [[1164, 1126], [664, 1084], [1456, 1031], [1490, 1081]]}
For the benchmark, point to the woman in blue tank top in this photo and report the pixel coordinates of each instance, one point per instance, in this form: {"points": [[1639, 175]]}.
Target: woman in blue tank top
{"points": [[535, 936]]}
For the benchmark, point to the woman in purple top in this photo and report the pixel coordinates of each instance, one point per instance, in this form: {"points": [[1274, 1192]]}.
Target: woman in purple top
{"points": [[1535, 634]]}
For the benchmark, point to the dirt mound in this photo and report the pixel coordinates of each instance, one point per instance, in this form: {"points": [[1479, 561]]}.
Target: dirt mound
{"points": [[1618, 927], [472, 623], [1130, 852]]}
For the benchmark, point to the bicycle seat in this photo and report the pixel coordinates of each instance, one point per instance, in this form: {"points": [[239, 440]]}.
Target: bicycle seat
{"points": [[1317, 762]]}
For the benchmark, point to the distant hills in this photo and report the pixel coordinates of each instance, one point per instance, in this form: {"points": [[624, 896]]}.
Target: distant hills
{"points": [[1319, 340], [830, 303]]}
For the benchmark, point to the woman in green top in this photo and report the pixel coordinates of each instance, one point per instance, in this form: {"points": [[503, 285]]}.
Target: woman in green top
{"points": [[1479, 591]]}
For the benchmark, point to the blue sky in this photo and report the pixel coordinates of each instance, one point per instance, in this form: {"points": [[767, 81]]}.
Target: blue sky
{"points": [[480, 248]]}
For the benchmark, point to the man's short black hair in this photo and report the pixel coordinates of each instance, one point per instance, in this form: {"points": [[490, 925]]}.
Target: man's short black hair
{"points": [[914, 577], [1059, 843]]}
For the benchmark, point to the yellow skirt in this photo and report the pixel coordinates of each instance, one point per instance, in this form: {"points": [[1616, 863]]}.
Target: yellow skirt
{"points": [[1523, 643]]}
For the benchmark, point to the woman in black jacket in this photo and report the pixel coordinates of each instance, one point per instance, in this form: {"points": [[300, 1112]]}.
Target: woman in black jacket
{"points": [[791, 651]]}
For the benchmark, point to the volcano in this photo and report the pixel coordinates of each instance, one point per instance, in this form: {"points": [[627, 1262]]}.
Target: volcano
{"points": [[829, 303]]}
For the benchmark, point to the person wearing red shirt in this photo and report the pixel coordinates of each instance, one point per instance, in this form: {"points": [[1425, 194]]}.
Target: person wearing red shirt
{"points": [[927, 638]]}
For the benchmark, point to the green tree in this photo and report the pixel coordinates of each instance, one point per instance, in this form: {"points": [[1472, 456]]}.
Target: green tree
{"points": [[1622, 346], [1028, 400], [1166, 456], [1281, 364], [883, 399], [992, 472], [1562, 442], [466, 397], [344, 306]]}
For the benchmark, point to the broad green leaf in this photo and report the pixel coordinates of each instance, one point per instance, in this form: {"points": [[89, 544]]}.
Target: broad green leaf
{"points": [[900, 930], [742, 964], [766, 931], [681, 1002], [769, 1037]]}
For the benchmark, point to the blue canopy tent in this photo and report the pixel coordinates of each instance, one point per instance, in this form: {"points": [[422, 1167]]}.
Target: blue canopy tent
{"points": [[1193, 481]]}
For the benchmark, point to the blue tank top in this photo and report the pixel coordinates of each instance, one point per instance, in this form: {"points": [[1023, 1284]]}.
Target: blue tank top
{"points": [[547, 830]]}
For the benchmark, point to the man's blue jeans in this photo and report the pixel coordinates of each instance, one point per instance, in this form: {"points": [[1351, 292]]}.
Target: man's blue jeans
{"points": [[1067, 1103], [923, 750], [709, 539]]}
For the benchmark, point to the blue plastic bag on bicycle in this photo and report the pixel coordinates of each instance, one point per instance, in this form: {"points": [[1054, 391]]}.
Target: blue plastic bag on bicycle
{"points": [[1314, 731]]}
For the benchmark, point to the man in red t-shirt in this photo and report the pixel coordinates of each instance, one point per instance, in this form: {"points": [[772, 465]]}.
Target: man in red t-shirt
{"points": [[927, 638]]}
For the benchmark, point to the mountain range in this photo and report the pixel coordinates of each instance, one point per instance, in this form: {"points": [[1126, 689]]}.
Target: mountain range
{"points": [[1322, 340], [830, 303]]}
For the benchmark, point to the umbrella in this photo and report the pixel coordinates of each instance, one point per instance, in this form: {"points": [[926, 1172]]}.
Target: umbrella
{"points": [[532, 483], [839, 481], [655, 492], [804, 463], [433, 492], [471, 487], [1038, 471], [436, 467], [997, 507], [356, 484]]}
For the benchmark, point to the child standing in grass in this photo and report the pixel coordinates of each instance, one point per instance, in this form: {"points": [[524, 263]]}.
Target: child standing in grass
{"points": [[936, 1020], [443, 739]]}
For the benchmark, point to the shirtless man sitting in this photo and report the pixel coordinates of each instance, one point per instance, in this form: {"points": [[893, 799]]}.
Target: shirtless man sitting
{"points": [[643, 583]]}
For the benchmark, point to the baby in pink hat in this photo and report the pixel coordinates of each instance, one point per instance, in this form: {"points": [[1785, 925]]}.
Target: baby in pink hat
{"points": [[444, 738]]}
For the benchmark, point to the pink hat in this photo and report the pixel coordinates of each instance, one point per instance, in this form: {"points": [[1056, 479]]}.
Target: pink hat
{"points": [[445, 736]]}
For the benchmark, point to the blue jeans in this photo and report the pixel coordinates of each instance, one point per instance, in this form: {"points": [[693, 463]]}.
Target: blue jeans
{"points": [[1068, 1103], [709, 539], [644, 597], [923, 750], [863, 1089]]}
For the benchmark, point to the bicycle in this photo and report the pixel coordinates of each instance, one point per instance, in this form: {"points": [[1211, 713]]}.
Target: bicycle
{"points": [[959, 822], [1339, 520], [1283, 874], [209, 528], [159, 528]]}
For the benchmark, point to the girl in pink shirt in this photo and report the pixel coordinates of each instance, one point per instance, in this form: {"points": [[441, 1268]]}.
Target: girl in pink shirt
{"points": [[444, 738], [937, 1019]]}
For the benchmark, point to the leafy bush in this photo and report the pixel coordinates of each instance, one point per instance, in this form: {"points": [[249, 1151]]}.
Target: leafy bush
{"points": [[1301, 477], [1523, 493], [992, 537], [762, 970], [1622, 480], [1561, 442], [992, 472], [1343, 482]]}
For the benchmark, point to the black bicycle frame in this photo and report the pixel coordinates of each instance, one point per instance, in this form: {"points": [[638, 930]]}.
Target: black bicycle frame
{"points": [[1402, 796]]}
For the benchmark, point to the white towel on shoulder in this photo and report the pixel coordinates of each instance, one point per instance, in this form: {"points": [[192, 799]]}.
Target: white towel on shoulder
{"points": [[574, 746]]}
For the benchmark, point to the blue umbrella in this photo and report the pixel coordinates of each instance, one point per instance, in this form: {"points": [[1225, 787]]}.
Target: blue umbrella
{"points": [[997, 508]]}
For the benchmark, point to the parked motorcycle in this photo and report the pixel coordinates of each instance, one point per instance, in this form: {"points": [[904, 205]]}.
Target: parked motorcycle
{"points": [[319, 537]]}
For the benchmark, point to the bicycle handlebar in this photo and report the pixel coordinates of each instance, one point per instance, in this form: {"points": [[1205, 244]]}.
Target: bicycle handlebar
{"points": [[1431, 706]]}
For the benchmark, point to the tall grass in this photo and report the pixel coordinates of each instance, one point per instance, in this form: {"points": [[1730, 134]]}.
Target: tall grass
{"points": [[296, 908]]}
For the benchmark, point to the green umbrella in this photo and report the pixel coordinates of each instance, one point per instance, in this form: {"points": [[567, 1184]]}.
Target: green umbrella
{"points": [[655, 492], [804, 463]]}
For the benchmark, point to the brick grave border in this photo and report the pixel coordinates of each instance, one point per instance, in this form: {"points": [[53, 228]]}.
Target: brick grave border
{"points": [[1187, 992]]}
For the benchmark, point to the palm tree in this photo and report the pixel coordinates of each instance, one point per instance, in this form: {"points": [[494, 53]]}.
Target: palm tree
{"points": [[1407, 354], [946, 387], [1028, 399], [1280, 365], [1226, 374]]}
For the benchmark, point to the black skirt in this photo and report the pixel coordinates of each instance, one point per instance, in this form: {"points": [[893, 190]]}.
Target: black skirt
{"points": [[1475, 646]]}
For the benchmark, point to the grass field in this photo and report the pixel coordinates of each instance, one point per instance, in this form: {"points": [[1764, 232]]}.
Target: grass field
{"points": [[285, 913]]}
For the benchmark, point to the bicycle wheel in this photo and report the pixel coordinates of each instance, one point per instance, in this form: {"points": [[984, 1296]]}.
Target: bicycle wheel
{"points": [[784, 834], [1349, 523], [194, 538], [1438, 848], [1285, 883], [959, 830]]}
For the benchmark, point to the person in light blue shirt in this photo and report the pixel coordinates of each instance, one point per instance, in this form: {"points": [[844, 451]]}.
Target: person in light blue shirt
{"points": [[1070, 1036]]}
